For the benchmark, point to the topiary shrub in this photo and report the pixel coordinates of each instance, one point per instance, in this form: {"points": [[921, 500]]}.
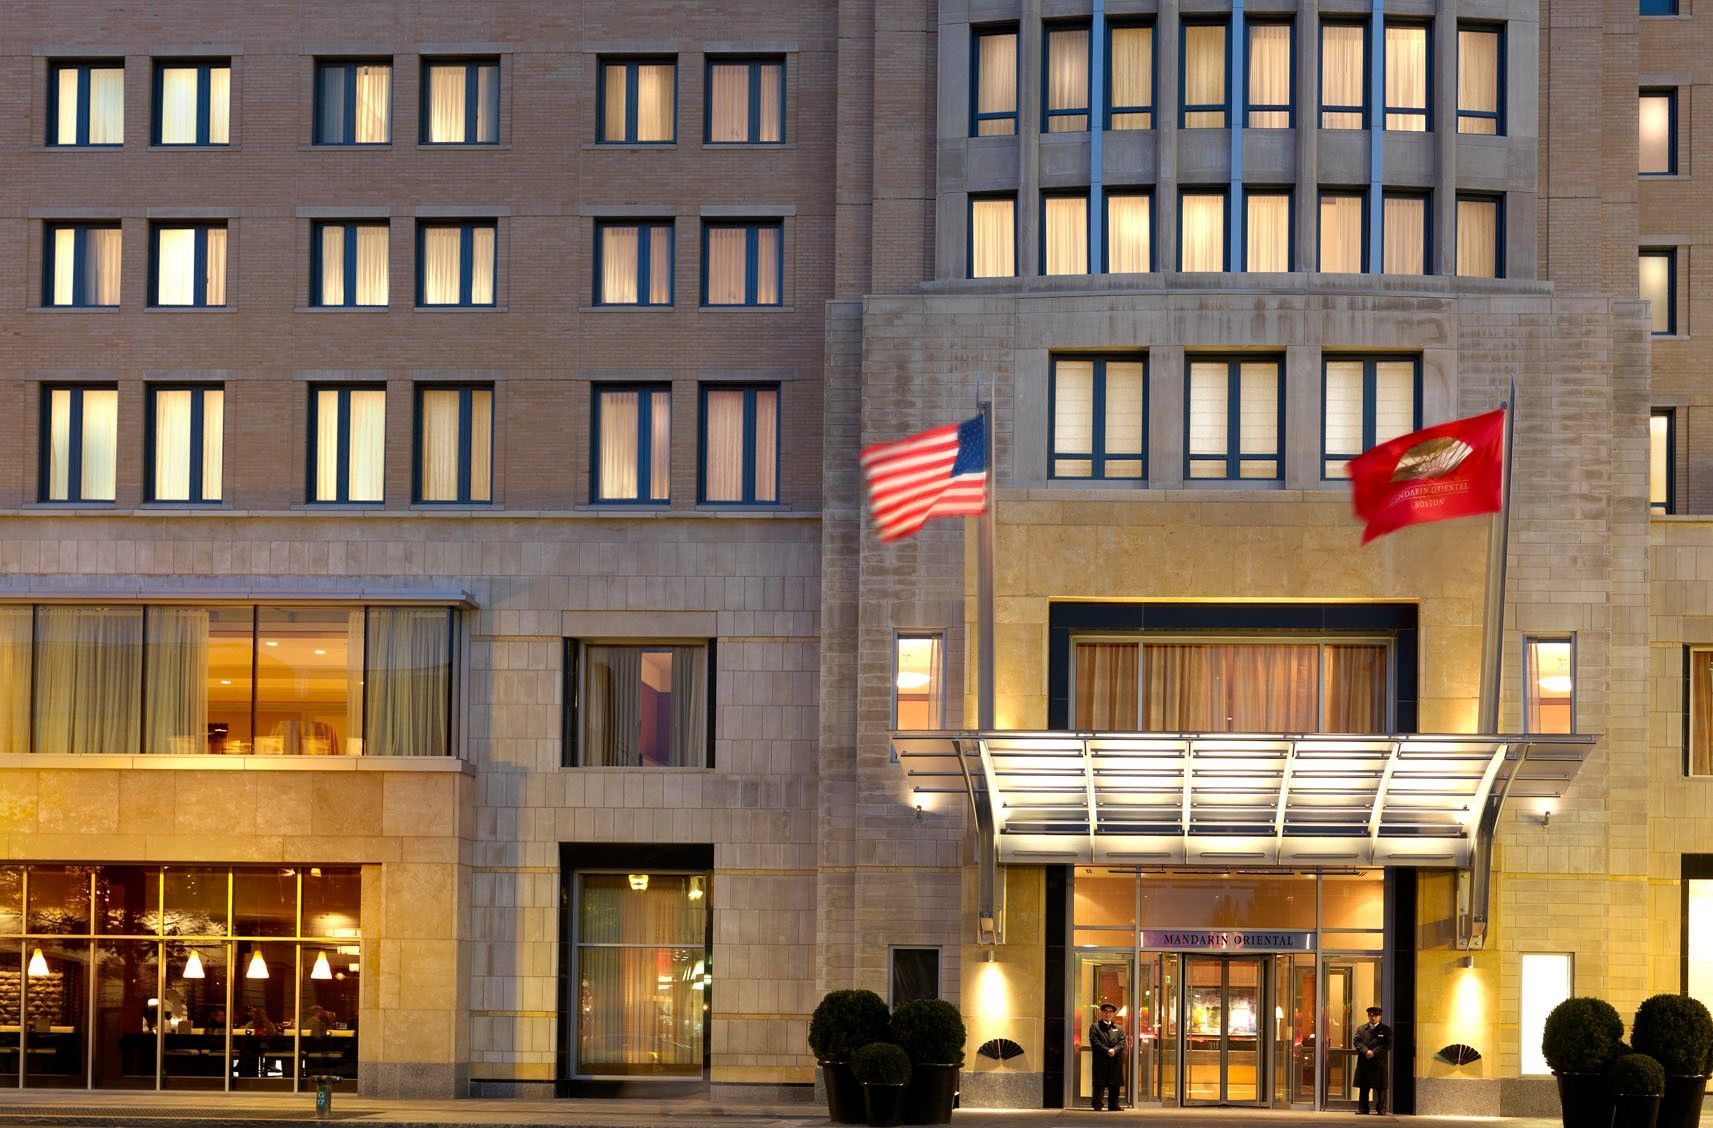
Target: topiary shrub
{"points": [[882, 1063], [1677, 1031], [931, 1031], [1582, 1035], [844, 1021], [1636, 1075]]}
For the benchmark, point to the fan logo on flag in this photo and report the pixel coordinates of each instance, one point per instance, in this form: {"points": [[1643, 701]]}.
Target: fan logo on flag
{"points": [[1434, 458]]}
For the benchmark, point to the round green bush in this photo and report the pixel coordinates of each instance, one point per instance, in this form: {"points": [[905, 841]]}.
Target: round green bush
{"points": [[1582, 1035], [844, 1021], [1677, 1031], [1636, 1075], [881, 1063], [931, 1031]]}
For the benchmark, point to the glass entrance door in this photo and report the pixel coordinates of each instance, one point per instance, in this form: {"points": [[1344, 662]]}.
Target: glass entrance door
{"points": [[1352, 985], [1102, 977], [1224, 1037]]}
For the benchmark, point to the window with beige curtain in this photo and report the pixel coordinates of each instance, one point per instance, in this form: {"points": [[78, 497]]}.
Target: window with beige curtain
{"points": [[1226, 392], [1269, 76], [82, 265], [993, 236], [746, 102], [634, 263], [1658, 271], [190, 265], [634, 451], [188, 442], [87, 104], [1657, 121], [1407, 77], [1064, 243], [1549, 684], [455, 437], [1129, 233], [1365, 402], [1700, 757], [740, 444], [1478, 250], [461, 104], [407, 682], [1342, 232], [1067, 79], [742, 263], [1480, 99], [350, 264], [1343, 76], [349, 444], [81, 434], [1662, 425], [1201, 231], [1403, 230], [1204, 80], [644, 706], [1130, 77], [639, 101], [88, 680], [17, 626], [194, 104], [995, 111], [353, 103], [1098, 417], [457, 265], [1267, 231]]}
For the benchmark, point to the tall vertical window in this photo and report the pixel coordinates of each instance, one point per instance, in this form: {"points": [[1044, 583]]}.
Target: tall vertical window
{"points": [[1408, 77], [994, 74], [1480, 80], [1098, 406], [1064, 234], [742, 263], [1066, 88], [1130, 76], [633, 444], [993, 236], [454, 444], [1129, 233], [193, 103], [1547, 980], [1269, 70], [1201, 231], [638, 101], [1657, 117], [633, 263], [1403, 230], [82, 264], [1234, 419], [746, 101], [1203, 76], [1266, 230], [348, 264], [643, 706], [353, 103], [347, 444], [1698, 927], [189, 264], [1343, 76], [456, 264], [1700, 757], [918, 681], [1659, 287], [1480, 237], [80, 440], [1365, 401], [86, 103], [740, 445], [461, 102], [1549, 684], [1662, 459], [1343, 232], [186, 443]]}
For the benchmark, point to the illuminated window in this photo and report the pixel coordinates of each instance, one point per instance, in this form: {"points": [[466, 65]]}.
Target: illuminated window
{"points": [[86, 103], [80, 436], [1698, 927], [1343, 76], [1343, 232], [347, 444], [1266, 231], [1233, 418], [1064, 234], [639, 706], [1662, 427], [1269, 101], [993, 236], [1407, 77], [461, 102], [1480, 237], [994, 112], [746, 102], [189, 265], [1549, 684], [1366, 402], [454, 443], [1658, 272], [193, 103], [1203, 76], [353, 103], [1201, 231], [1480, 80], [1403, 231], [1129, 233], [1066, 90], [456, 264], [1097, 406], [1658, 121], [638, 101], [633, 443], [1700, 758], [185, 440], [1130, 77], [1547, 980], [918, 685]]}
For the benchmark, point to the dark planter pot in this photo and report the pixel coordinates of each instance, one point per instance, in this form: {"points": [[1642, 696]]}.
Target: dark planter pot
{"points": [[932, 1094], [844, 1093], [1583, 1100], [886, 1105], [1681, 1105], [1632, 1110]]}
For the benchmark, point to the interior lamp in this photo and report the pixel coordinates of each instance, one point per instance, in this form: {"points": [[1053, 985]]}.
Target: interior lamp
{"points": [[193, 967], [258, 966], [639, 882], [38, 965], [696, 890], [321, 970]]}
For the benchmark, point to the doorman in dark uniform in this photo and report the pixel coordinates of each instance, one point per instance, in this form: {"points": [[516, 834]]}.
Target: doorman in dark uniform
{"points": [[1106, 1040], [1373, 1044]]}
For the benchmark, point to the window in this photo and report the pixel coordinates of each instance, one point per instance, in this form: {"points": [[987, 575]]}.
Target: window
{"points": [[456, 264], [993, 236], [918, 680], [82, 264], [1403, 230], [1480, 80], [1066, 86], [1266, 230], [186, 442], [1408, 77], [1480, 237], [994, 74], [86, 104], [1343, 232], [1270, 76], [1129, 76], [1662, 459], [915, 975], [1201, 231], [638, 101], [1700, 757], [646, 706], [1549, 684], [347, 444], [1129, 233], [1659, 287], [1697, 872], [1658, 121], [189, 264], [1203, 96], [1234, 418], [740, 445], [1064, 234], [746, 102], [633, 263], [633, 444], [1098, 406], [353, 103], [1546, 982], [348, 264], [1343, 76], [193, 103], [80, 439], [1659, 7], [1364, 402], [454, 444], [461, 102], [742, 263]]}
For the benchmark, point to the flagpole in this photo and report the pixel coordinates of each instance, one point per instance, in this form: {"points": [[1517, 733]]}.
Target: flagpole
{"points": [[1498, 553], [984, 582]]}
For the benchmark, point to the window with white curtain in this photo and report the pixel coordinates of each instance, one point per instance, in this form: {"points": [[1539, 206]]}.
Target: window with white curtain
{"points": [[638, 102], [640, 706], [81, 266], [80, 440], [1697, 937], [1657, 118], [460, 101], [633, 444], [454, 443], [1546, 980], [994, 66], [1203, 71], [456, 263], [1662, 456], [1343, 232], [1403, 231], [743, 263], [1480, 75], [348, 264], [633, 262], [1267, 230], [1233, 419], [1130, 76], [993, 236], [1408, 77], [193, 103], [1066, 90], [1480, 227], [1269, 71], [740, 444], [1364, 402], [186, 442], [1659, 287], [1129, 232], [1343, 76], [1201, 231], [189, 264], [86, 103], [347, 444], [1099, 417], [353, 103], [746, 101], [1064, 234]]}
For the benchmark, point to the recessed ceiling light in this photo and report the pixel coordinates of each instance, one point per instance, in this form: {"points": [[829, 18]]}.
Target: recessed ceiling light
{"points": [[270, 642], [225, 681], [318, 650]]}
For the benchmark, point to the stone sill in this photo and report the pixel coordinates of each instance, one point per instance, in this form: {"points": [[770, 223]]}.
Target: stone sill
{"points": [[156, 512], [239, 763]]}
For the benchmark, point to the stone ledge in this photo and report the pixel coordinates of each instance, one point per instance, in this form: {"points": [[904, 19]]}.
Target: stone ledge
{"points": [[55, 762]]}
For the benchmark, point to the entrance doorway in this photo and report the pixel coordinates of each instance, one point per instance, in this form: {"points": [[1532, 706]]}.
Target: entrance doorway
{"points": [[1224, 1038]]}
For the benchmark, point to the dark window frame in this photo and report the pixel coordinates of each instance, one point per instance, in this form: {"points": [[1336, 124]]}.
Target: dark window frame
{"points": [[1106, 198], [200, 292], [466, 262], [74, 444], [1109, 109], [1289, 109], [348, 125], [1668, 506], [342, 471], [751, 456], [1088, 228], [1425, 112], [1184, 107], [1528, 674], [1498, 202], [630, 63], [1496, 116], [1234, 457], [1011, 115], [79, 284], [82, 67], [317, 282], [1669, 254], [1426, 198], [645, 229], [205, 69], [644, 442], [466, 443], [1098, 455], [1250, 192], [472, 65], [754, 64], [969, 232], [1669, 93], [1048, 29], [1367, 251], [1370, 401], [1225, 228], [1367, 74], [752, 261], [892, 989], [571, 714], [198, 441]]}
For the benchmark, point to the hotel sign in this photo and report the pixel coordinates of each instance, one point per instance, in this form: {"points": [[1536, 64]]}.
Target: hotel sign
{"points": [[1227, 940]]}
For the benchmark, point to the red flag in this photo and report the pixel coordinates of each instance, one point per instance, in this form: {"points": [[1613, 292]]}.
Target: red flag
{"points": [[1453, 470]]}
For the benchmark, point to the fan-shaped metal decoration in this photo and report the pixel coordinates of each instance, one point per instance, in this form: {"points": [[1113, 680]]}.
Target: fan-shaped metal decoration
{"points": [[1000, 1049], [1458, 1054]]}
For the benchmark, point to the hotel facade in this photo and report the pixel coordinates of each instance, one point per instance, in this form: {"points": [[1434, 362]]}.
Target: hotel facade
{"points": [[441, 640]]}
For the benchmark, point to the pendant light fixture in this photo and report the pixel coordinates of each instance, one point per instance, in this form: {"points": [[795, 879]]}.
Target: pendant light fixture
{"points": [[193, 967], [321, 970], [38, 965], [258, 966]]}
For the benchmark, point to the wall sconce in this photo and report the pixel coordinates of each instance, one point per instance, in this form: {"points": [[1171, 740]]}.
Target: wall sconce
{"points": [[989, 954], [1546, 818], [1466, 962], [918, 812]]}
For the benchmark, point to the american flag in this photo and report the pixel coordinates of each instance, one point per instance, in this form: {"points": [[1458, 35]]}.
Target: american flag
{"points": [[939, 473]]}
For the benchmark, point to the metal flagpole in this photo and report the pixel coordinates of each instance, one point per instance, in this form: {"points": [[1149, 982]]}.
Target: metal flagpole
{"points": [[984, 582], [1498, 550]]}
